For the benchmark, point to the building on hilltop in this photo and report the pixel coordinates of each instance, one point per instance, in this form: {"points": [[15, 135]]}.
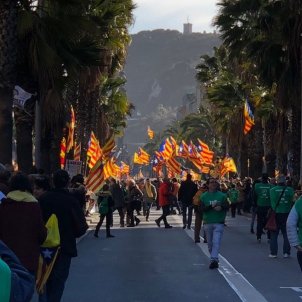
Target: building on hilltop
{"points": [[187, 28]]}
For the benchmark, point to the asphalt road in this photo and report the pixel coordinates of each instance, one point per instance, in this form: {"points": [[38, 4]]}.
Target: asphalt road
{"points": [[148, 263]]}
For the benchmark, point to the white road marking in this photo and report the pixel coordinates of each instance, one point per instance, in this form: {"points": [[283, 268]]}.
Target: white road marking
{"points": [[242, 287]]}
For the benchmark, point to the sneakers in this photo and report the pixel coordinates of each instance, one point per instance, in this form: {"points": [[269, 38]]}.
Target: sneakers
{"points": [[214, 264], [157, 222], [168, 226], [272, 256], [285, 255]]}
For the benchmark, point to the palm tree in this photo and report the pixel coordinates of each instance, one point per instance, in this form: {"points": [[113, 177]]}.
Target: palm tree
{"points": [[8, 59], [268, 33]]}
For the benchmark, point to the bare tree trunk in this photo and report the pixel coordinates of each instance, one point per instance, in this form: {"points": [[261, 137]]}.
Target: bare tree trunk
{"points": [[8, 59]]}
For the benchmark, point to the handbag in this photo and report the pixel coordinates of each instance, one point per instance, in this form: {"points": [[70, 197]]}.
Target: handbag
{"points": [[271, 224]]}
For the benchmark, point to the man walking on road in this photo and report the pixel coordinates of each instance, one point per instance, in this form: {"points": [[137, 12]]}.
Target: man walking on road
{"points": [[164, 202], [61, 203], [186, 193], [263, 203], [281, 202], [214, 206]]}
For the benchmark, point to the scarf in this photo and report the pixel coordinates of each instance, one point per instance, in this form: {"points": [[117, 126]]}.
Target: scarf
{"points": [[149, 190], [21, 196]]}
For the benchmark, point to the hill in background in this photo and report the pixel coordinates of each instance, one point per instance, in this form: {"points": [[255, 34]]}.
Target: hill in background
{"points": [[160, 72]]}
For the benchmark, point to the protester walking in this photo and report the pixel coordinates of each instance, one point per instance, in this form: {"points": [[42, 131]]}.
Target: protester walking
{"points": [[198, 213], [186, 193], [118, 197], [105, 205], [164, 202], [281, 202], [233, 195], [22, 227], [134, 197], [72, 224], [149, 196], [214, 206], [263, 203]]}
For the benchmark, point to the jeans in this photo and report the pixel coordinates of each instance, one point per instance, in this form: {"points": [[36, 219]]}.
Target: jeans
{"points": [[214, 233], [184, 214], [281, 226], [56, 282]]}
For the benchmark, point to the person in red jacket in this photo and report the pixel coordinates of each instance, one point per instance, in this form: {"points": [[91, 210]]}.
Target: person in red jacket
{"points": [[164, 201]]}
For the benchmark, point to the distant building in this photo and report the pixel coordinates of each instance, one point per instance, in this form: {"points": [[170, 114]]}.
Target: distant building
{"points": [[187, 28]]}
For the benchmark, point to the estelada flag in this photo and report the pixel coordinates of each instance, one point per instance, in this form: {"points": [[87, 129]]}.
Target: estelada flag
{"points": [[249, 120]]}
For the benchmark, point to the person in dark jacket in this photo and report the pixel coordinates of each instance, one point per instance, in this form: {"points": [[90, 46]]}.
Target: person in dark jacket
{"points": [[16, 283], [78, 190], [21, 223], [134, 197], [186, 193], [67, 209], [105, 204], [118, 197]]}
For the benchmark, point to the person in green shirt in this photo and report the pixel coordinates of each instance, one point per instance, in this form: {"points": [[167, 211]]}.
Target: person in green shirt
{"points": [[214, 205], [263, 204], [233, 195], [282, 197]]}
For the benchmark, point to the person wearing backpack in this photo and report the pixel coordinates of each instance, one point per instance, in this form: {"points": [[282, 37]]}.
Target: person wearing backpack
{"points": [[105, 204]]}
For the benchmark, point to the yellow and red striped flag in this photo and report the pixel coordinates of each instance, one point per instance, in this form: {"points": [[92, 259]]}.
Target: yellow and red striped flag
{"points": [[71, 127], [206, 154], [62, 152], [227, 165], [174, 165], [150, 133], [137, 160], [249, 120], [94, 152], [110, 169], [125, 169], [143, 156], [95, 178], [108, 147], [77, 152]]}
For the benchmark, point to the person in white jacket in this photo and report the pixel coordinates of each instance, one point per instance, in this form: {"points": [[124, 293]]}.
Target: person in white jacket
{"points": [[294, 229]]}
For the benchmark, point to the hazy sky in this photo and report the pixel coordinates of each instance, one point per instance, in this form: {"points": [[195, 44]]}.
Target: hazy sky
{"points": [[171, 14]]}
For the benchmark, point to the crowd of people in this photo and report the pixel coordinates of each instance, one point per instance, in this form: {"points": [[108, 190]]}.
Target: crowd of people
{"points": [[27, 203]]}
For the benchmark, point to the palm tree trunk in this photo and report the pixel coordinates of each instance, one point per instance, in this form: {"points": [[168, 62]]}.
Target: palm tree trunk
{"points": [[8, 58]]}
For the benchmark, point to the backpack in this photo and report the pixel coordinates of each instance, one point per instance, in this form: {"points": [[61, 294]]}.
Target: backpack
{"points": [[103, 204]]}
